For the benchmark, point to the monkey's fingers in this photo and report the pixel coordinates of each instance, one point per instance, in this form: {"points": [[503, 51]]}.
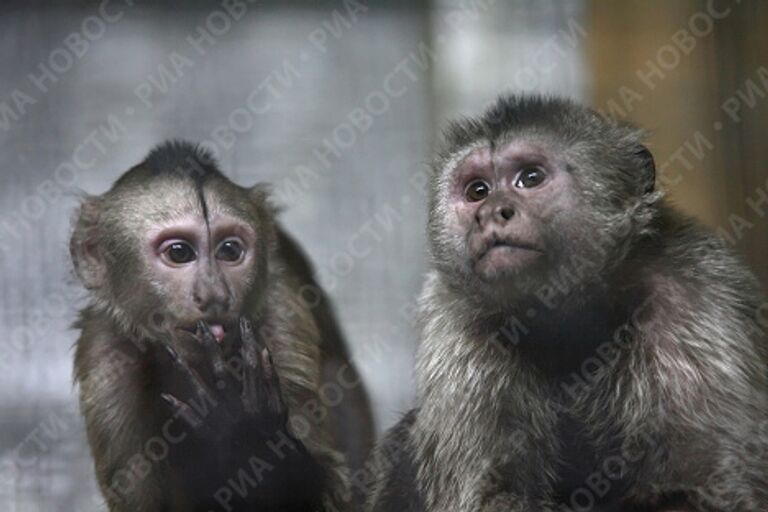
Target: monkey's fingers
{"points": [[187, 413], [251, 367], [182, 410], [261, 385], [251, 345], [212, 349], [274, 397], [199, 385]]}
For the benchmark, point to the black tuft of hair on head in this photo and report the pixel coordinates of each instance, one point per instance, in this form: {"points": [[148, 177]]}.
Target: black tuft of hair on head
{"points": [[182, 158], [509, 112]]}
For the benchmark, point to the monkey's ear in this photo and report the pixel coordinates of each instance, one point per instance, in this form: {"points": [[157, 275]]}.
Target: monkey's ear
{"points": [[260, 192], [261, 195], [648, 167], [89, 262]]}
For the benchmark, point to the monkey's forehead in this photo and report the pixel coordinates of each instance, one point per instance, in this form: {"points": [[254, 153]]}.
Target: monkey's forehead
{"points": [[163, 201], [490, 153]]}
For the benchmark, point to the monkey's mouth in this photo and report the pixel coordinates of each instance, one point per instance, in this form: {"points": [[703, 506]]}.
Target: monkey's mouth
{"points": [[503, 256], [499, 244], [218, 330]]}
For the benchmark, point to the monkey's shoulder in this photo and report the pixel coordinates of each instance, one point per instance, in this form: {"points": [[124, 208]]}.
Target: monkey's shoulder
{"points": [[685, 257], [692, 281]]}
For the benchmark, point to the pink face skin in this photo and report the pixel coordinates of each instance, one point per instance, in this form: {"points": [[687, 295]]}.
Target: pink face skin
{"points": [[502, 200], [203, 269]]}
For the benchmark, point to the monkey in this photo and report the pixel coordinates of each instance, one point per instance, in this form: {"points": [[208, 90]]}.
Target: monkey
{"points": [[204, 346], [583, 345]]}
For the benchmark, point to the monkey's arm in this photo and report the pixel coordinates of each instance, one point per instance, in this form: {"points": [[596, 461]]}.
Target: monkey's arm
{"points": [[245, 433], [394, 487]]}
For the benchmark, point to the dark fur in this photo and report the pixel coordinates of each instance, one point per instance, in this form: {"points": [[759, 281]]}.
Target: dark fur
{"points": [[680, 394], [122, 368]]}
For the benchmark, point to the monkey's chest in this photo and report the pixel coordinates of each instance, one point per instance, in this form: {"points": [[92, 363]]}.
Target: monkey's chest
{"points": [[589, 475]]}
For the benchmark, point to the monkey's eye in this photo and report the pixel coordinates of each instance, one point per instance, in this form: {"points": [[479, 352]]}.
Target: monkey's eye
{"points": [[530, 177], [477, 190], [230, 250], [180, 252]]}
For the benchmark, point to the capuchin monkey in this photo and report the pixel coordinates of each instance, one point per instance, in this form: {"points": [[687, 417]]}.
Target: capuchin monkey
{"points": [[212, 373], [583, 346]]}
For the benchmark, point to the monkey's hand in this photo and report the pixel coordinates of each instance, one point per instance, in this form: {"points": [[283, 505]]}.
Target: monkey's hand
{"points": [[241, 421], [245, 391]]}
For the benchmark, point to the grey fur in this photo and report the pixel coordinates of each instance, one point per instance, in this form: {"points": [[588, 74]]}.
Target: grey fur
{"points": [[684, 380]]}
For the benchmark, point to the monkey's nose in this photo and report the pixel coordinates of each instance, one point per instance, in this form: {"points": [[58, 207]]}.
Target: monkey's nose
{"points": [[211, 303], [503, 213], [495, 214]]}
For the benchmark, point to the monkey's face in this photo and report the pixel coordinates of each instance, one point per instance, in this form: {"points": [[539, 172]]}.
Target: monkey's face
{"points": [[536, 194], [498, 215], [174, 253], [206, 262], [202, 269]]}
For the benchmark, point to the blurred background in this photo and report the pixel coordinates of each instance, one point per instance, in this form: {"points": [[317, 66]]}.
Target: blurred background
{"points": [[338, 104]]}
